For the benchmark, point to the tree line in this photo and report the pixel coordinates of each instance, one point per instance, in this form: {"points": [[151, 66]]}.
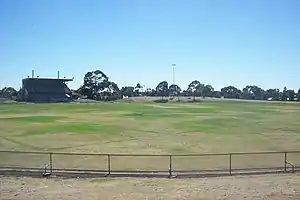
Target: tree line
{"points": [[98, 86]]}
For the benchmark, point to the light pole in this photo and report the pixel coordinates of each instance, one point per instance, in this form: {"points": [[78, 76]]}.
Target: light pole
{"points": [[173, 65], [142, 89]]}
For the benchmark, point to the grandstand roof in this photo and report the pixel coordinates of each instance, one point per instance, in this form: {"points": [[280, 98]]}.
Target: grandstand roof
{"points": [[61, 79]]}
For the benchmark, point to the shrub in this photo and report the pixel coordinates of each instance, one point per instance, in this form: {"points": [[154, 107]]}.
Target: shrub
{"points": [[111, 98], [194, 101], [161, 101]]}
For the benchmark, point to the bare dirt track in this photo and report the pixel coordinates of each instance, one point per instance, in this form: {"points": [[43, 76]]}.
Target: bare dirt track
{"points": [[267, 187]]}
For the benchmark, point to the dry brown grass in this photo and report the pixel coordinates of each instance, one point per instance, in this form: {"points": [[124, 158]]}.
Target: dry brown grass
{"points": [[268, 187]]}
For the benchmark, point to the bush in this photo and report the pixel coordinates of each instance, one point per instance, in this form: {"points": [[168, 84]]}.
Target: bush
{"points": [[111, 98], [194, 101], [161, 101]]}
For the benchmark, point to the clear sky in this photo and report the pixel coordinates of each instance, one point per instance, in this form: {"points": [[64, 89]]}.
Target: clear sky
{"points": [[218, 42]]}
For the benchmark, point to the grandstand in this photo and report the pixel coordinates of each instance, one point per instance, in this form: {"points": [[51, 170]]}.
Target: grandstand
{"points": [[45, 90]]}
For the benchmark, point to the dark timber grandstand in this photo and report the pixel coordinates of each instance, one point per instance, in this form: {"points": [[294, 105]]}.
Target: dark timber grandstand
{"points": [[45, 90]]}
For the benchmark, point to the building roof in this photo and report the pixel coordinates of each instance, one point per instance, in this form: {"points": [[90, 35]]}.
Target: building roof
{"points": [[61, 79]]}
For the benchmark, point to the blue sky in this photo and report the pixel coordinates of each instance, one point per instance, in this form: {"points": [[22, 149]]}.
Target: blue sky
{"points": [[218, 42]]}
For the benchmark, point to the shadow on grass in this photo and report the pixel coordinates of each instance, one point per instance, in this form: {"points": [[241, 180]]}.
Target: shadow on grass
{"points": [[22, 144], [83, 128], [36, 148], [160, 132], [34, 119]]}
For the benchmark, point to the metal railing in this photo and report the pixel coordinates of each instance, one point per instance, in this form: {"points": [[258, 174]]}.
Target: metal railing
{"points": [[166, 164]]}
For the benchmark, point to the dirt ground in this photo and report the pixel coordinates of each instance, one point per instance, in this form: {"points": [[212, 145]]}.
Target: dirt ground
{"points": [[267, 187]]}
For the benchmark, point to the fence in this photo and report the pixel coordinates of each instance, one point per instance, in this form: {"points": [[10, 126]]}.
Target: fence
{"points": [[169, 165]]}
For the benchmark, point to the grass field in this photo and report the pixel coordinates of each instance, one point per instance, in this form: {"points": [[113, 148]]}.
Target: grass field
{"points": [[209, 127], [173, 128]]}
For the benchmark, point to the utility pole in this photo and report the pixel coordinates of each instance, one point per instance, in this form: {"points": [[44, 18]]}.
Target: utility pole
{"points": [[173, 65], [142, 89]]}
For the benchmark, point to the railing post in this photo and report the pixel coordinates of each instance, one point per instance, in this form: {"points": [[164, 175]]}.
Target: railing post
{"points": [[230, 164], [285, 161], [108, 163], [51, 162], [170, 166]]}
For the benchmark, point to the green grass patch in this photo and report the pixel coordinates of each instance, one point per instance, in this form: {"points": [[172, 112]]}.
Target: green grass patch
{"points": [[223, 122], [146, 116], [213, 125], [148, 112], [199, 110], [105, 130], [33, 119], [193, 126]]}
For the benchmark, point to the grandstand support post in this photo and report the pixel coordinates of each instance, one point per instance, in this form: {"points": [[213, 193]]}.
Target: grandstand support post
{"points": [[109, 164], [285, 161], [170, 166], [51, 162], [230, 164]]}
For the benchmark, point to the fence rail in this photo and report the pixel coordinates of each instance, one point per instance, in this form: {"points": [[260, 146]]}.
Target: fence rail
{"points": [[165, 164]]}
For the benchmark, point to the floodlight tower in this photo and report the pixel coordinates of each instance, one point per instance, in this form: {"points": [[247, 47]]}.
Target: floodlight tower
{"points": [[173, 65], [143, 97]]}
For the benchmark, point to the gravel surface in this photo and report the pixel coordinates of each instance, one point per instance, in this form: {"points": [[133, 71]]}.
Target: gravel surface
{"points": [[267, 187]]}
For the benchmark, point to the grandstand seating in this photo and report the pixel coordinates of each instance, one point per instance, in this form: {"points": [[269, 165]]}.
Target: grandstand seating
{"points": [[45, 90]]}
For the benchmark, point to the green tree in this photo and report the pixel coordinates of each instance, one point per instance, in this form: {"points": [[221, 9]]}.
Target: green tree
{"points": [[8, 92], [247, 93], [231, 92], [162, 89], [127, 91], [149, 92], [195, 88], [217, 94], [113, 88], [207, 91], [96, 85], [291, 95], [137, 89], [298, 95], [253, 92], [284, 95], [153, 92], [110, 92], [174, 90], [272, 94]]}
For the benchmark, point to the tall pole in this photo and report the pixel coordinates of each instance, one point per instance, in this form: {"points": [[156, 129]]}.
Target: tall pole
{"points": [[173, 73], [142, 89]]}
